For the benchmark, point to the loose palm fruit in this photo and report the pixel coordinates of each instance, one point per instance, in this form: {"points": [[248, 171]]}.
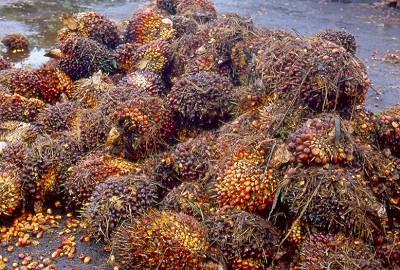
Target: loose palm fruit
{"points": [[16, 43], [146, 26], [11, 196], [164, 240], [116, 199], [202, 98], [341, 38], [90, 25], [90, 171]]}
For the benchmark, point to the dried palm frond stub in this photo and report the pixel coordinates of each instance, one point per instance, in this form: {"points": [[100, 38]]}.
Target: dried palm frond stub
{"points": [[200, 10], [11, 194], [89, 92], [141, 125], [58, 117], [163, 240], [146, 26], [320, 141], [306, 70], [333, 200], [46, 83], [202, 99], [147, 81], [16, 43], [246, 182], [18, 108], [117, 199], [90, 25], [90, 171], [241, 235], [322, 251], [189, 198], [389, 130], [341, 38], [4, 64], [388, 251], [81, 57]]}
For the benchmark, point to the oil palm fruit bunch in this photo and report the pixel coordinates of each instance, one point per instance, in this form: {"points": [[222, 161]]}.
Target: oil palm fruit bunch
{"points": [[90, 91], [147, 81], [90, 25], [90, 171], [117, 199], [81, 57], [189, 198], [320, 141], [333, 200], [246, 182], [184, 25], [11, 191], [364, 125], [200, 10], [322, 251], [202, 99], [141, 125], [163, 240], [284, 63], [389, 130], [46, 83], [242, 236], [4, 64], [125, 55], [154, 56], [17, 132], [341, 38], [146, 26], [58, 117], [116, 97], [192, 159], [167, 5], [15, 107], [16, 43], [388, 251]]}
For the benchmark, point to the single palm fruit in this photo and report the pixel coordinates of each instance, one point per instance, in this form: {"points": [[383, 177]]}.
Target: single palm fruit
{"points": [[117, 199], [16, 43], [146, 26], [90, 25], [341, 38], [18, 108], [164, 240], [90, 171], [11, 194]]}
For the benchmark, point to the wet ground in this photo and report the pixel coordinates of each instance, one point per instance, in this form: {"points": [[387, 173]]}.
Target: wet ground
{"points": [[377, 29]]}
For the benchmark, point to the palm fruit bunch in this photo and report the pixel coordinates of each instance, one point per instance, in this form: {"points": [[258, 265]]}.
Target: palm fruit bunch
{"points": [[17, 132], [117, 96], [202, 98], [89, 92], [321, 140], [16, 43], [389, 129], [58, 117], [46, 83], [189, 198], [184, 25], [141, 125], [147, 81], [11, 191], [147, 26], [388, 251], [364, 126], [246, 182], [167, 5], [90, 171], [306, 71], [341, 38], [4, 64], [296, 233], [117, 199], [81, 57], [15, 107], [160, 240], [247, 264], [200, 10], [333, 200], [192, 159], [329, 251], [125, 55], [154, 56], [45, 166], [242, 236], [90, 25]]}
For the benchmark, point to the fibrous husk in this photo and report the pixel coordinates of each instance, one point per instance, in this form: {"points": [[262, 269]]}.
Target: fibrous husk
{"points": [[164, 240]]}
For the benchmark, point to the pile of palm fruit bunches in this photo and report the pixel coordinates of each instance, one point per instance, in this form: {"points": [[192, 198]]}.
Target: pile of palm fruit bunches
{"points": [[188, 140]]}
